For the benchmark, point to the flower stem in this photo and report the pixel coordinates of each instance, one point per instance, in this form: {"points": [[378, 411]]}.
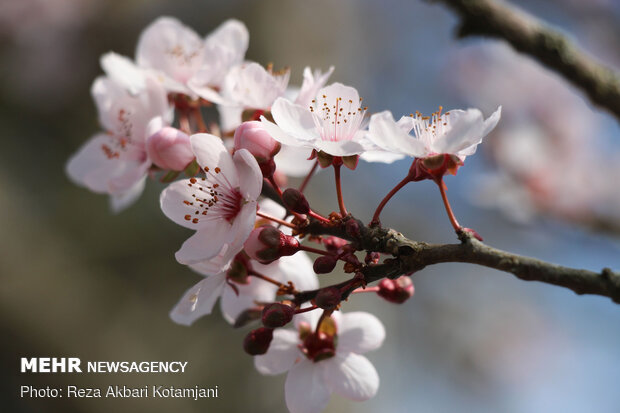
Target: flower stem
{"points": [[446, 203], [319, 217], [274, 219], [384, 201], [304, 184], [275, 185], [326, 313], [184, 124], [202, 127], [343, 209]]}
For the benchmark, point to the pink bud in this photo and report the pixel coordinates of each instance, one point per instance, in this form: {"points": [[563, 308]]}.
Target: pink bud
{"points": [[257, 341], [396, 291], [253, 137], [267, 244], [277, 315], [169, 148]]}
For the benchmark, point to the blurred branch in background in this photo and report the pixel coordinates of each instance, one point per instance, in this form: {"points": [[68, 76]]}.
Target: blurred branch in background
{"points": [[530, 36]]}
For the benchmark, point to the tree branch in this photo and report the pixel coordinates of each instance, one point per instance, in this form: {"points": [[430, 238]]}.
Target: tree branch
{"points": [[412, 256], [529, 35]]}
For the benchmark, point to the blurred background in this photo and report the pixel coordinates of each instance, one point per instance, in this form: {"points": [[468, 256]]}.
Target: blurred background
{"points": [[78, 281]]}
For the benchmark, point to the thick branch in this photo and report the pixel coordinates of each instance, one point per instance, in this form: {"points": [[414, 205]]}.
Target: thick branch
{"points": [[411, 256], [528, 35]]}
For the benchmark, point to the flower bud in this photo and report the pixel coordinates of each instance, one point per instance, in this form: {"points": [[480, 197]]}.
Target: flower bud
{"points": [[253, 137], [353, 228], [333, 244], [277, 315], [325, 264], [396, 291], [257, 341], [168, 148], [267, 244], [295, 201], [328, 298]]}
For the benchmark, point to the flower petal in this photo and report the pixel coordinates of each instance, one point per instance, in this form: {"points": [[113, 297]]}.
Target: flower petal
{"points": [[351, 376], [255, 291], [295, 120], [282, 353], [250, 175], [120, 201], [220, 263], [293, 160], [124, 71], [170, 47], [390, 135], [359, 332], [210, 152], [339, 148], [206, 243], [305, 389], [298, 269], [198, 300]]}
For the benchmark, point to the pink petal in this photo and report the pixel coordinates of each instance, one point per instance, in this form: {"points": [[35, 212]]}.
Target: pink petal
{"points": [[210, 152], [249, 294], [250, 175], [294, 120]]}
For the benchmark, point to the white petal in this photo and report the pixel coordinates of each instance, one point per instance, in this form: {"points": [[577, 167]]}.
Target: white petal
{"points": [[233, 35], [250, 175], [249, 294], [220, 263], [298, 269], [339, 148], [309, 317], [206, 243], [293, 160], [282, 353], [210, 152], [390, 135], [338, 90], [351, 376], [311, 85], [90, 167], [305, 390], [295, 120], [198, 300], [359, 332], [174, 201], [381, 156]]}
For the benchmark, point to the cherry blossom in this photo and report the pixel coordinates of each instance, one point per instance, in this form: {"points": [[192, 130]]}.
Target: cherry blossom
{"points": [[236, 297], [186, 63], [221, 206], [324, 360], [115, 161], [332, 123], [456, 132]]}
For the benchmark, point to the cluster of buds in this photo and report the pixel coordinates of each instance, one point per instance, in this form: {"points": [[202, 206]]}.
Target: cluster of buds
{"points": [[253, 251]]}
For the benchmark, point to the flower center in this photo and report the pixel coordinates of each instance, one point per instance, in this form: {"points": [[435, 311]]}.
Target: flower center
{"points": [[214, 198], [121, 138], [337, 119], [318, 346], [428, 128]]}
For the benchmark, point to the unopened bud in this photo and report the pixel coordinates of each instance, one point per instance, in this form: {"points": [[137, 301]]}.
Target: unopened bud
{"points": [[353, 228], [295, 201], [396, 291], [325, 264], [257, 341], [277, 315], [333, 244], [253, 137], [328, 298], [167, 147], [267, 244]]}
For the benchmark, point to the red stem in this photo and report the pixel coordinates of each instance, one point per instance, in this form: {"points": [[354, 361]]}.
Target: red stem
{"points": [[274, 219], [343, 209], [305, 310], [319, 217], [265, 278], [365, 290], [384, 201], [202, 127], [446, 203]]}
